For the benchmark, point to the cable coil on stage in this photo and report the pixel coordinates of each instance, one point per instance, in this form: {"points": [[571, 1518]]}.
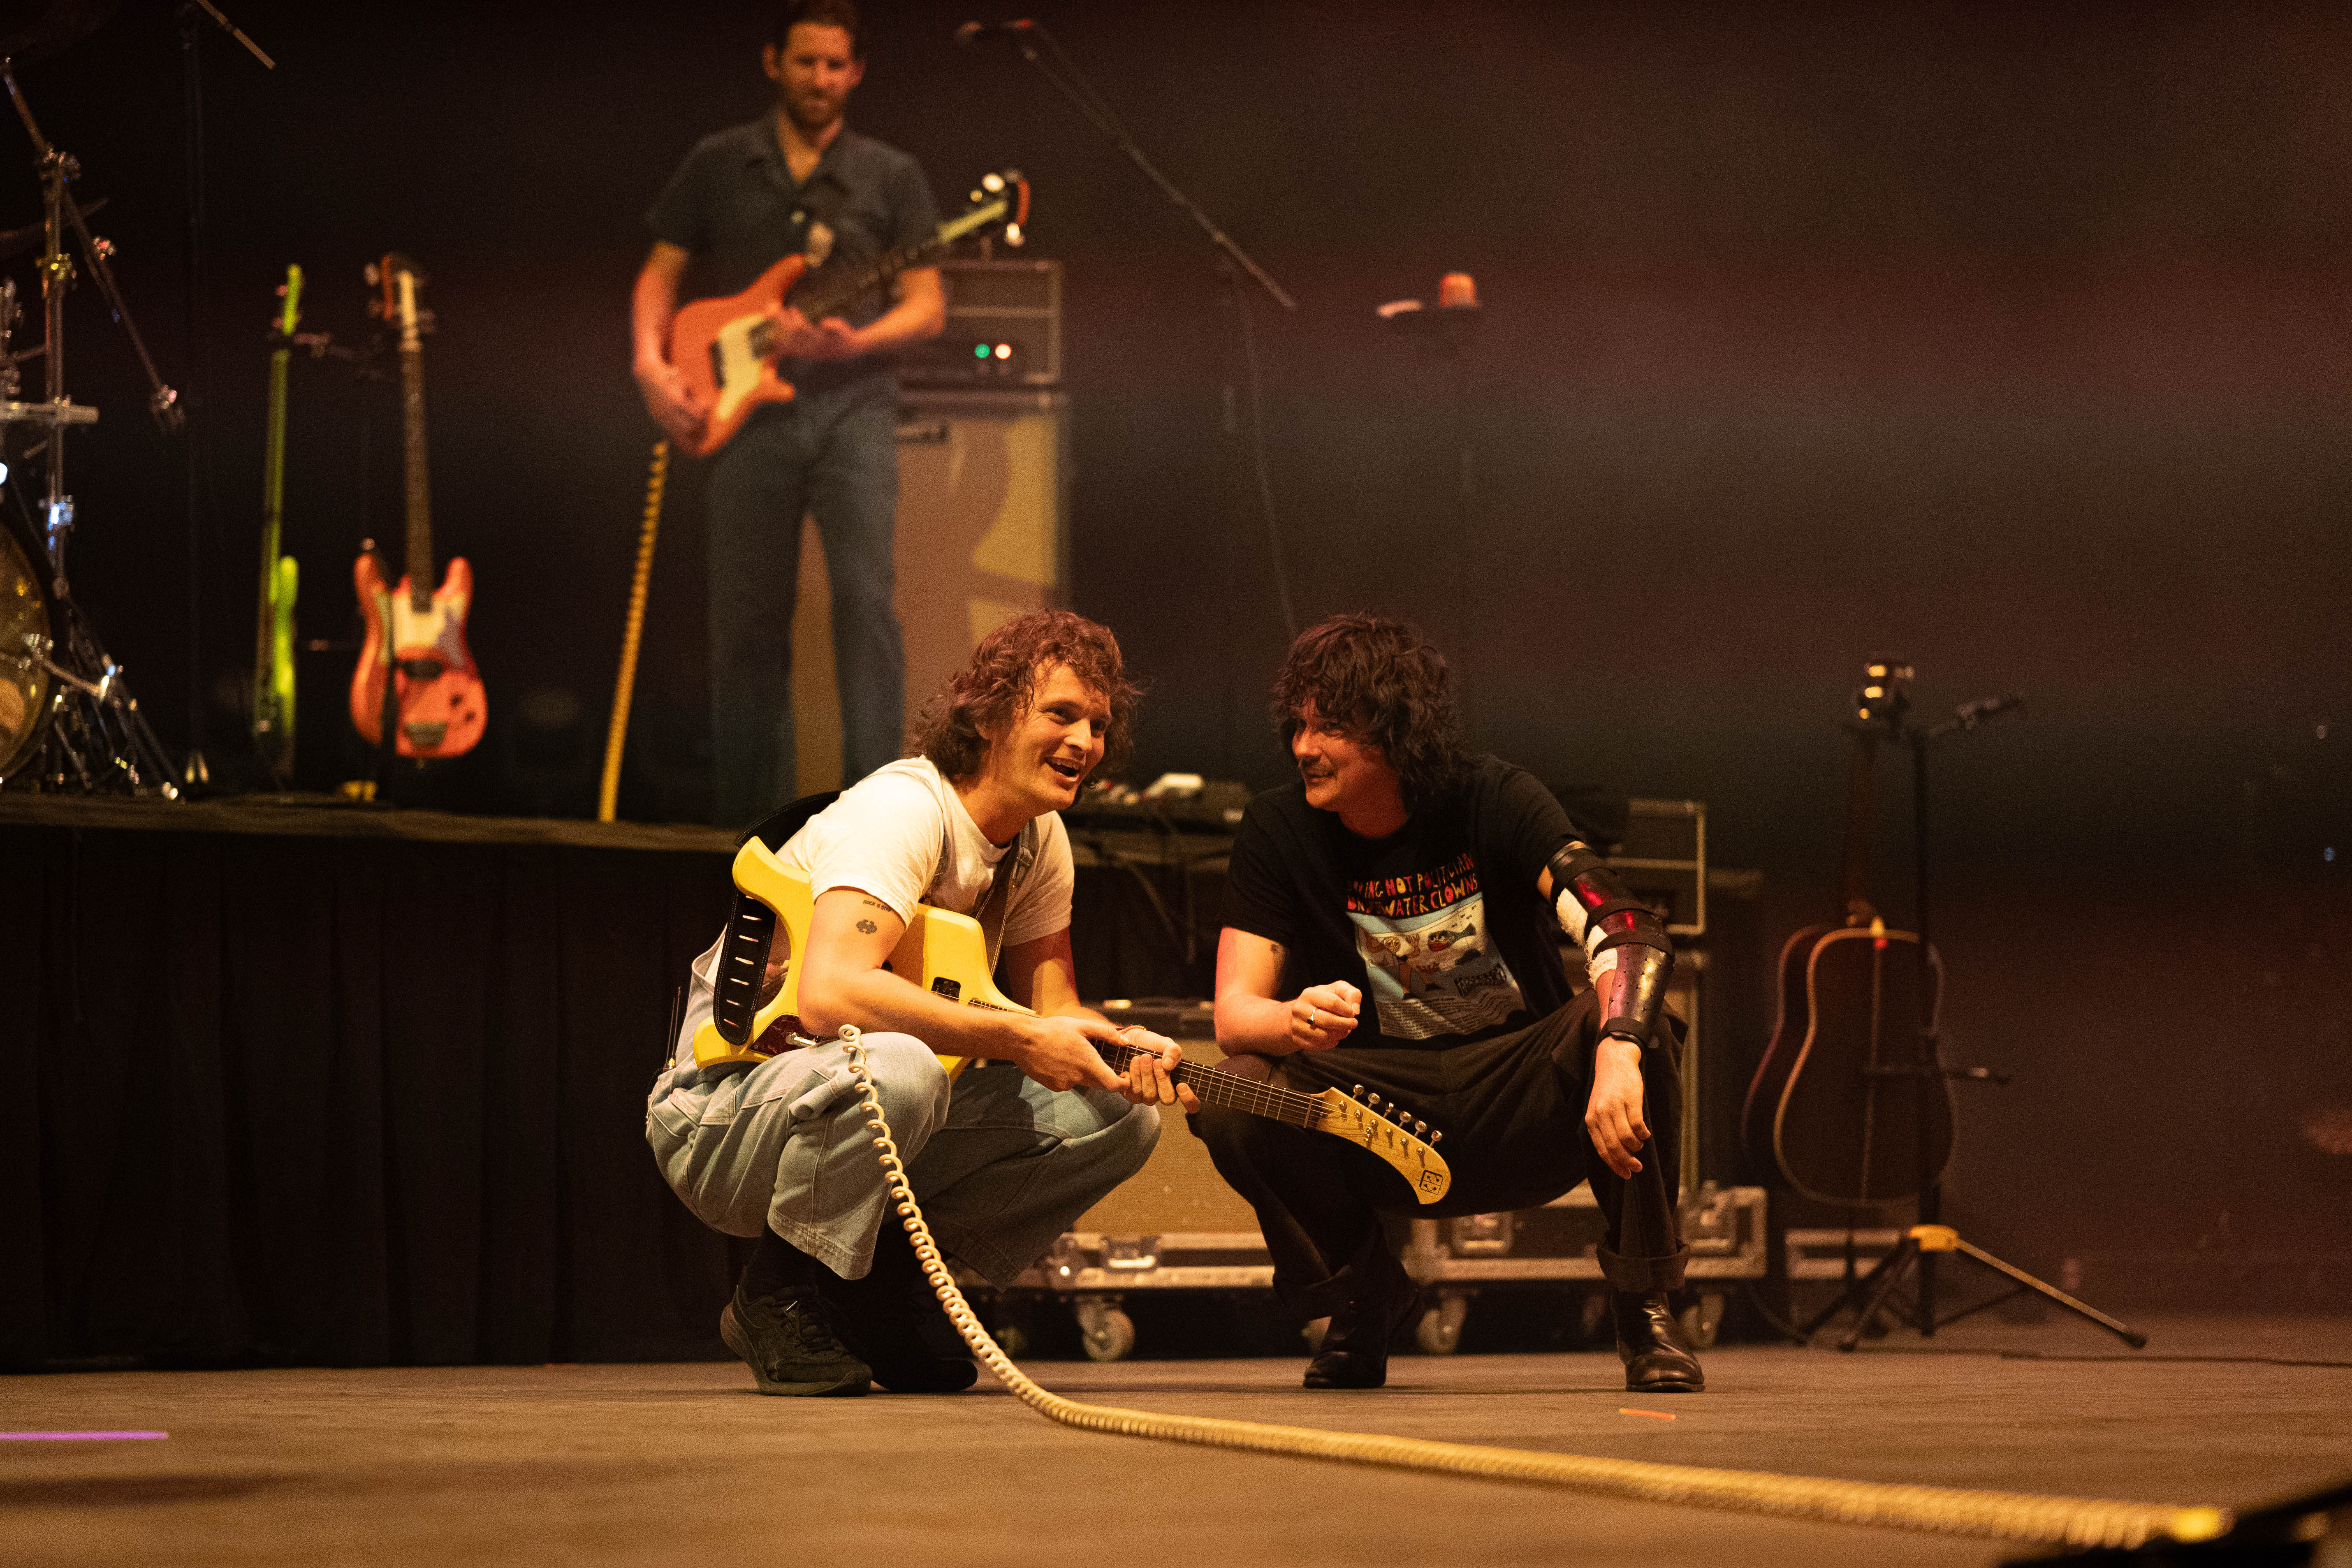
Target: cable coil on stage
{"points": [[2012, 1516]]}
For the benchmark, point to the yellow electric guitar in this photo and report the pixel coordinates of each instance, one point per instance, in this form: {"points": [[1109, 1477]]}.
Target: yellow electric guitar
{"points": [[947, 954]]}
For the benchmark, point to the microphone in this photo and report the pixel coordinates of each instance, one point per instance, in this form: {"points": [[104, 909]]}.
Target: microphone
{"points": [[972, 33]]}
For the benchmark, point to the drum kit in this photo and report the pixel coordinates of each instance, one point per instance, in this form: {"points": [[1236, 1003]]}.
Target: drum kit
{"points": [[67, 719]]}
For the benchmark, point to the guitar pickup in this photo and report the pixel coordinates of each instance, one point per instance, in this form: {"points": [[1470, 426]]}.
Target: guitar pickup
{"points": [[424, 734], [422, 668]]}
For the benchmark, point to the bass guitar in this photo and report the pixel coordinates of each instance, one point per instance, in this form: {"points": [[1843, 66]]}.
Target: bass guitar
{"points": [[1834, 1105], [273, 632], [415, 633], [726, 349], [947, 954]]}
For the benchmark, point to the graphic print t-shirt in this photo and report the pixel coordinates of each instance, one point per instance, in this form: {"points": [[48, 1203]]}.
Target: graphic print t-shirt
{"points": [[1440, 924]]}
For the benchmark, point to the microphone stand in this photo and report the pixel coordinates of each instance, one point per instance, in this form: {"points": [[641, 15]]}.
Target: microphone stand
{"points": [[1233, 264], [1919, 1246], [193, 18]]}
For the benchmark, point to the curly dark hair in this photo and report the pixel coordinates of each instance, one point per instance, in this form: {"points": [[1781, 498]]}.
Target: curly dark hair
{"points": [[1379, 683], [841, 14], [1002, 676]]}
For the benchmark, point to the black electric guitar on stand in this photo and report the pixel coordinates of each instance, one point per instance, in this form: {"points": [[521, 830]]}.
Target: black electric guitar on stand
{"points": [[1834, 1105], [947, 954]]}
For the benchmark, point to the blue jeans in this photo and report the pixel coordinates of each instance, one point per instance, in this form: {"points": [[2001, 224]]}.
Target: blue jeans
{"points": [[832, 455], [1000, 1164]]}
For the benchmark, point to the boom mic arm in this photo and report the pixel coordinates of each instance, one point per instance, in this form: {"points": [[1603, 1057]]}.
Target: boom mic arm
{"points": [[973, 32]]}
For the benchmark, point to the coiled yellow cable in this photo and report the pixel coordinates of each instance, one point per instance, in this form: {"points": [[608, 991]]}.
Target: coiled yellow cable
{"points": [[2012, 1516], [616, 734]]}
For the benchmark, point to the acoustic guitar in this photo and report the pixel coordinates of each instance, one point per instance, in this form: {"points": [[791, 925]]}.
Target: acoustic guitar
{"points": [[725, 350], [1834, 1105], [273, 634], [415, 632], [947, 954]]}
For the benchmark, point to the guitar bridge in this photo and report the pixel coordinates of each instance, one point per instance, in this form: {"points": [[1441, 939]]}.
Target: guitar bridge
{"points": [[425, 734]]}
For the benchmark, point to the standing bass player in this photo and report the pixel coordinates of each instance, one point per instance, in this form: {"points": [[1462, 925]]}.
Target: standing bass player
{"points": [[1004, 1158], [796, 181], [1392, 921]]}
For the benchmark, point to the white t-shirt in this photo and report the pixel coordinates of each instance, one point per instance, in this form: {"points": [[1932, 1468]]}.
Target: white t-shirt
{"points": [[902, 834]]}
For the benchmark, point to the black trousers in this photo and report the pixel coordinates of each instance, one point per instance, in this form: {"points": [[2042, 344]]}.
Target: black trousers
{"points": [[1512, 1109]]}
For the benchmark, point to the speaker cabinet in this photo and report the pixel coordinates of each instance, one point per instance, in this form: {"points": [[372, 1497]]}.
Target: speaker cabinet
{"points": [[983, 535]]}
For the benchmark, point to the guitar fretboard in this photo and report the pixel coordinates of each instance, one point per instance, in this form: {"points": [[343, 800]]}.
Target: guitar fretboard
{"points": [[822, 296], [1229, 1092]]}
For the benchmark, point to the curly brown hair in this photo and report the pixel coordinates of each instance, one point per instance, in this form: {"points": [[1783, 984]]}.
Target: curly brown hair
{"points": [[1379, 683], [1001, 676]]}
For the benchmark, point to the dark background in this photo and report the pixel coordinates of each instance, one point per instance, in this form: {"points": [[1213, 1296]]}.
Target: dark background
{"points": [[2013, 340]]}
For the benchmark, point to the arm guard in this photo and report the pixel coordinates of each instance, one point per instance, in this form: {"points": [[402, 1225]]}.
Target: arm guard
{"points": [[1595, 909]]}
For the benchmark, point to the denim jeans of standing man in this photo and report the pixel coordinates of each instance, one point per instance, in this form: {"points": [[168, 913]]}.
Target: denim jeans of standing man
{"points": [[831, 455]]}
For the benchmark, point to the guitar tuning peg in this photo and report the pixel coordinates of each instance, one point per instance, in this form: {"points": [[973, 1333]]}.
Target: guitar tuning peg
{"points": [[1420, 1129], [1358, 1091], [1436, 1139]]}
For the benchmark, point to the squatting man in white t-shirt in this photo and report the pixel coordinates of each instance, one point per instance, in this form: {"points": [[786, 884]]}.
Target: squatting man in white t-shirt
{"points": [[1009, 1156]]}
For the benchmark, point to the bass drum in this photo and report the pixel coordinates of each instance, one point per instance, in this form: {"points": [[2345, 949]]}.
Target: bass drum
{"points": [[25, 639]]}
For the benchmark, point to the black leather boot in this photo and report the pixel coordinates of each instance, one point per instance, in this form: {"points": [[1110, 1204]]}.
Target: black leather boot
{"points": [[1657, 1359], [1355, 1353]]}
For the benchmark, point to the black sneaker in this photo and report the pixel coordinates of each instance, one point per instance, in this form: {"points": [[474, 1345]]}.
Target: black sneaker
{"points": [[1355, 1353], [790, 1345], [892, 1320]]}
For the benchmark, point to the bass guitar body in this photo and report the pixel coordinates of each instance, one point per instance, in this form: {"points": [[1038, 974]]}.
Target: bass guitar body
{"points": [[723, 352], [439, 706], [1830, 1106]]}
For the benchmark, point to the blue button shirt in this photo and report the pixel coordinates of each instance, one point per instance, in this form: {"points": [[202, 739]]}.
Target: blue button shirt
{"points": [[734, 206]]}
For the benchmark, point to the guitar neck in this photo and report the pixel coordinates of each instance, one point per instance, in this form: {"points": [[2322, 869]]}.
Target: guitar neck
{"points": [[273, 491], [830, 296], [1229, 1092], [821, 297], [1863, 771], [420, 502]]}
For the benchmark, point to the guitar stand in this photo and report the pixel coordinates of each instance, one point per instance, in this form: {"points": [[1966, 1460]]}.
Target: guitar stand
{"points": [[1877, 1291]]}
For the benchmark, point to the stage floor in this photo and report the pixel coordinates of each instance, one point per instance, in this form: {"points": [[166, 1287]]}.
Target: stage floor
{"points": [[682, 1463]]}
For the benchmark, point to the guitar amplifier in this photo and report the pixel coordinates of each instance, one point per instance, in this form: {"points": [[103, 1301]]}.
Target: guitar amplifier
{"points": [[983, 535], [1003, 328]]}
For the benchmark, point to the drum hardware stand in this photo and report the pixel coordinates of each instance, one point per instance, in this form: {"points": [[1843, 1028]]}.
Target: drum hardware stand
{"points": [[98, 739], [1917, 1250]]}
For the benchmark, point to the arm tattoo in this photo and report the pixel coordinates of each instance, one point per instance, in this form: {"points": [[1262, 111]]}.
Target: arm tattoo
{"points": [[874, 903]]}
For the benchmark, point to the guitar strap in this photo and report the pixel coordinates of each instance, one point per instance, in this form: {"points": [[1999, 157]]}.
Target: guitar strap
{"points": [[1012, 870]]}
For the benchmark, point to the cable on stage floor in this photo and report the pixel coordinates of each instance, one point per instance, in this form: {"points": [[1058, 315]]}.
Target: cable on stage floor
{"points": [[2009, 1516]]}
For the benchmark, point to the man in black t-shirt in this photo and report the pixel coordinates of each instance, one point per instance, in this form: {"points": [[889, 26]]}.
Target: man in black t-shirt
{"points": [[1392, 922]]}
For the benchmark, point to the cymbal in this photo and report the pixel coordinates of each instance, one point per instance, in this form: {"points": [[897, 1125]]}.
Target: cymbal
{"points": [[15, 242], [33, 30]]}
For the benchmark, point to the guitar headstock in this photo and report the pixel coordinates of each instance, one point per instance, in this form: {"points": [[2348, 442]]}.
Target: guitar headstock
{"points": [[999, 203], [1881, 701], [289, 314], [1406, 1144], [397, 281]]}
